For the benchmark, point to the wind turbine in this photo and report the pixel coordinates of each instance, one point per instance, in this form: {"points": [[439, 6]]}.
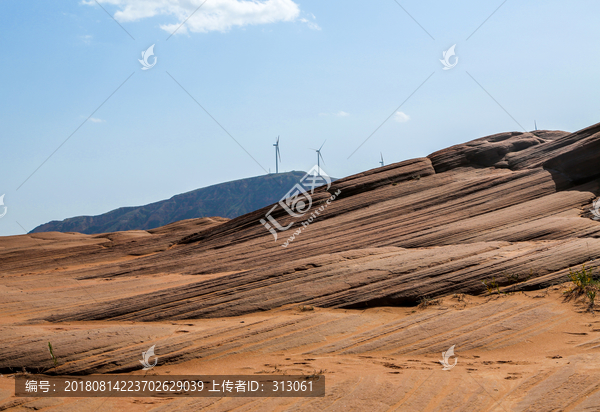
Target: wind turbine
{"points": [[535, 124], [381, 163], [277, 156], [319, 157]]}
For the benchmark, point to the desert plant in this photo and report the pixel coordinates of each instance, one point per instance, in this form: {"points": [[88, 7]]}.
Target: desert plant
{"points": [[582, 278], [52, 354], [591, 294], [496, 285], [584, 284], [512, 278], [490, 285]]}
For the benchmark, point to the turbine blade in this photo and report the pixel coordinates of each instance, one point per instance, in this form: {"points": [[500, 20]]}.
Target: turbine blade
{"points": [[322, 145]]}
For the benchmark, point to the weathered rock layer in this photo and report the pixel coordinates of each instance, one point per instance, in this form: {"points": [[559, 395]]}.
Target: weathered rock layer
{"points": [[497, 207]]}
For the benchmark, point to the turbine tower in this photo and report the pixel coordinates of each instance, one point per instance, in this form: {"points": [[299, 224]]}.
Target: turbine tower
{"points": [[381, 163], [319, 157], [277, 155], [535, 124]]}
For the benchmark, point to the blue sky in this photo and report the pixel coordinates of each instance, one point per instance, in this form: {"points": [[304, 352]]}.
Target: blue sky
{"points": [[308, 71]]}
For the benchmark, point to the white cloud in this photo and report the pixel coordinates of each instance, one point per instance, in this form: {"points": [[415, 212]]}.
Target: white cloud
{"points": [[338, 114], [401, 117], [93, 119], [311, 24], [214, 15], [87, 39]]}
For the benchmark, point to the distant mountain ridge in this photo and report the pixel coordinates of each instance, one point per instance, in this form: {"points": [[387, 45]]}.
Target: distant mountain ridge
{"points": [[229, 200]]}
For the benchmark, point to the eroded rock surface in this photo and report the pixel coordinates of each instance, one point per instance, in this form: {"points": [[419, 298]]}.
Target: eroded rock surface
{"points": [[423, 227], [513, 209]]}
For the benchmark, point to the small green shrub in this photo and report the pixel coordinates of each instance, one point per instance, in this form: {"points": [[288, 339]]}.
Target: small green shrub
{"points": [[52, 354], [584, 284], [489, 288], [492, 286], [591, 294], [582, 278]]}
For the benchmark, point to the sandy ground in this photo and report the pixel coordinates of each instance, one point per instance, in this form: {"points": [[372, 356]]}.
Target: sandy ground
{"points": [[221, 297], [517, 352]]}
